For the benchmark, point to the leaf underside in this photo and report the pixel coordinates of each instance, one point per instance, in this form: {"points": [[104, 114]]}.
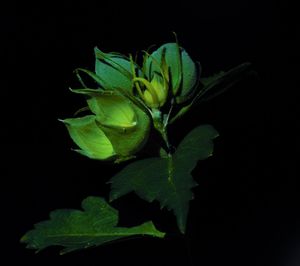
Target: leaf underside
{"points": [[75, 229], [167, 180]]}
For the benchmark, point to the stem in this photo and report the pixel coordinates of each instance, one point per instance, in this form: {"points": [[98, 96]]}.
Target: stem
{"points": [[165, 137], [166, 119], [161, 127]]}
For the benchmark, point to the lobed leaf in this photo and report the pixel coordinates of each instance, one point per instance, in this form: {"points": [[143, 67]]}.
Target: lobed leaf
{"points": [[75, 229], [167, 180]]}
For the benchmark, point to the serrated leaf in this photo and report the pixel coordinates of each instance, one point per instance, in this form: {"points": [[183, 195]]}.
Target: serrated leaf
{"points": [[167, 180], [75, 229]]}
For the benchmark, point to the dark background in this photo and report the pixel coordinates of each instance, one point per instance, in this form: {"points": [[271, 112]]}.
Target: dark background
{"points": [[247, 205]]}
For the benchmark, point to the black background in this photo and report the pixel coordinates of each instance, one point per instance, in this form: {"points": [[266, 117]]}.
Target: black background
{"points": [[247, 205]]}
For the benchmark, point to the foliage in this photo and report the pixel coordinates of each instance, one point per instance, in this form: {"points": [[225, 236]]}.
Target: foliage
{"points": [[126, 103], [74, 229]]}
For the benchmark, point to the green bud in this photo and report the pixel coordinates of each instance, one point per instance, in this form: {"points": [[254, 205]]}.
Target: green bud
{"points": [[91, 140], [112, 109], [150, 100], [123, 125], [114, 70], [160, 89], [153, 93], [176, 67]]}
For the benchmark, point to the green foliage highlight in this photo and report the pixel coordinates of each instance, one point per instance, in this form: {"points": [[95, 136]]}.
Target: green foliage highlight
{"points": [[75, 229], [167, 179]]}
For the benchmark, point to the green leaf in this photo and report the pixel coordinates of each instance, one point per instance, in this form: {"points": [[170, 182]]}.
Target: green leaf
{"points": [[75, 229], [220, 82], [215, 85], [208, 81], [167, 180]]}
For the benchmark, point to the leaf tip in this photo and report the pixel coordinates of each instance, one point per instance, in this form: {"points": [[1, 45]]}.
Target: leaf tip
{"points": [[61, 253], [62, 120], [182, 229], [24, 238], [216, 134], [112, 197], [38, 251], [160, 234]]}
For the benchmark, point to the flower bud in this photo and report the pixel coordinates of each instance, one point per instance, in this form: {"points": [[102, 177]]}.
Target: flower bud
{"points": [[176, 67], [160, 89], [117, 129], [155, 92], [91, 140], [113, 70]]}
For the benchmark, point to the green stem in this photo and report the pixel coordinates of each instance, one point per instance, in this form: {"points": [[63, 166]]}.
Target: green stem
{"points": [[165, 137], [161, 127]]}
